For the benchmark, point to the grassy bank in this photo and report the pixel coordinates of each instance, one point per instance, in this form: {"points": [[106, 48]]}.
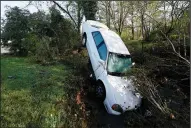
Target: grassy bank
{"points": [[31, 93]]}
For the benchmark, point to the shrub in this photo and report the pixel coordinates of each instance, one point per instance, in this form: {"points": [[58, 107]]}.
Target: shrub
{"points": [[44, 53]]}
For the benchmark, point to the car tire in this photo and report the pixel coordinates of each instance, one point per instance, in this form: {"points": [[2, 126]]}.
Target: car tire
{"points": [[84, 40], [100, 91]]}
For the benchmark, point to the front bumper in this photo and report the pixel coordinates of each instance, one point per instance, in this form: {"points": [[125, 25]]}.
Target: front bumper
{"points": [[111, 111]]}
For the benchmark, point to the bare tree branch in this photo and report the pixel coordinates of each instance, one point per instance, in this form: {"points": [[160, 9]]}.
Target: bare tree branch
{"points": [[30, 3], [172, 45], [67, 12]]}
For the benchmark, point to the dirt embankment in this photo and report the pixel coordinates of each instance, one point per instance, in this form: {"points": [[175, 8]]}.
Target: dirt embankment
{"points": [[96, 115]]}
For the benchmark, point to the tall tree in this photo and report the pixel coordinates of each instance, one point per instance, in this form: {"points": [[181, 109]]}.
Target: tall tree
{"points": [[74, 11], [118, 13], [89, 9], [16, 28], [104, 6], [132, 15]]}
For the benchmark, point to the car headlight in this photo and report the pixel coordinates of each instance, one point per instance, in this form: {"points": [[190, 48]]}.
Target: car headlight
{"points": [[138, 95], [117, 107]]}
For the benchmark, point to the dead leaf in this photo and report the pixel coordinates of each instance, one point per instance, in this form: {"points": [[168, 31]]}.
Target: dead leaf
{"points": [[172, 116]]}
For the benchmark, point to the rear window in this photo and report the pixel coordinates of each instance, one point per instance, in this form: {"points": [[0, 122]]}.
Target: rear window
{"points": [[97, 38], [100, 45], [95, 33]]}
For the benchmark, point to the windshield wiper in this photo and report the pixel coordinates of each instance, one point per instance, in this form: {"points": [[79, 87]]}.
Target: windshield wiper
{"points": [[116, 73]]}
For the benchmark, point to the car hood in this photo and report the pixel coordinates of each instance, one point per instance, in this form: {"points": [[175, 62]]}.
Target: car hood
{"points": [[124, 92]]}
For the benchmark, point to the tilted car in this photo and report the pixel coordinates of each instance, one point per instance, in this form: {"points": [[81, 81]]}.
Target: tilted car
{"points": [[110, 59]]}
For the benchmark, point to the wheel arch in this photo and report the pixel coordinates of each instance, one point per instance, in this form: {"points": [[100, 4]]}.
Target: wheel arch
{"points": [[101, 81], [84, 34]]}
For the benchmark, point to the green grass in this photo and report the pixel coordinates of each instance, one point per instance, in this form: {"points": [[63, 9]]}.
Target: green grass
{"points": [[30, 93]]}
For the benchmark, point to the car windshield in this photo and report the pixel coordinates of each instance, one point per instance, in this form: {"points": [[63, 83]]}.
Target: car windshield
{"points": [[118, 64]]}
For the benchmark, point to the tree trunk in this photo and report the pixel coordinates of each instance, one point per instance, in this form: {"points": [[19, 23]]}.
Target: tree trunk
{"points": [[132, 28], [164, 17], [142, 26], [140, 32], [120, 18], [107, 14], [79, 16], [184, 46], [137, 33], [179, 43], [119, 31], [109, 20]]}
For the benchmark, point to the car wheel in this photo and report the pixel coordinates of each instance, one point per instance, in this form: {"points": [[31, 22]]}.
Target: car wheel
{"points": [[100, 91], [84, 39]]}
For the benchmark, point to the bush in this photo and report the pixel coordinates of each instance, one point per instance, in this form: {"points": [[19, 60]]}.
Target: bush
{"points": [[45, 53]]}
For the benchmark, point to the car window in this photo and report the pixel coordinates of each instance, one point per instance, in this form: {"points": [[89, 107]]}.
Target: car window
{"points": [[97, 38], [102, 50], [100, 44], [95, 33]]}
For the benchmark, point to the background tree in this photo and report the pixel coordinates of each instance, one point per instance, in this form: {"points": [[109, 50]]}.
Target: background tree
{"points": [[15, 30], [118, 13], [89, 9], [104, 8]]}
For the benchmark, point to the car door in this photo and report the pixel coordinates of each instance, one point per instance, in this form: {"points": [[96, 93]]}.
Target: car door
{"points": [[92, 50], [94, 56], [100, 54]]}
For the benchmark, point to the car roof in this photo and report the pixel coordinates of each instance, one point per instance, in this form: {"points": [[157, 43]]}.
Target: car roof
{"points": [[96, 24], [114, 42]]}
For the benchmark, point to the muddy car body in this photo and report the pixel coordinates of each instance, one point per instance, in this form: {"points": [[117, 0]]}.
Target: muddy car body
{"points": [[109, 59]]}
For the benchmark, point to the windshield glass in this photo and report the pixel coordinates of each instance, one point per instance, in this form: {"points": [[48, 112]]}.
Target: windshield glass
{"points": [[118, 64]]}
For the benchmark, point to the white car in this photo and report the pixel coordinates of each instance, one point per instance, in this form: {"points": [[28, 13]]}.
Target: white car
{"points": [[110, 59]]}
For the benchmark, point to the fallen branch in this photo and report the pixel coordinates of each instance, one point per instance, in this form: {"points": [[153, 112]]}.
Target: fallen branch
{"points": [[170, 42], [149, 91], [188, 62]]}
